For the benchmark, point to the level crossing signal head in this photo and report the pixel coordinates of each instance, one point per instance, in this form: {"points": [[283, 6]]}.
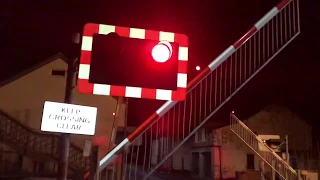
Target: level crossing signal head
{"points": [[132, 62]]}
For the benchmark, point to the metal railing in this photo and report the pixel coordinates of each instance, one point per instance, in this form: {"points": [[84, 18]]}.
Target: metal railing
{"points": [[174, 123], [9, 163], [38, 145], [269, 157]]}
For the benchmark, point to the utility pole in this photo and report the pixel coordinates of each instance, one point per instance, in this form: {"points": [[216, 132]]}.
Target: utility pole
{"points": [[65, 137]]}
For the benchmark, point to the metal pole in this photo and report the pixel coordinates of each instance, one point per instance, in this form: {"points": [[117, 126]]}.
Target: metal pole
{"points": [[124, 155], [65, 137], [114, 129], [262, 172], [273, 172], [287, 149], [93, 162]]}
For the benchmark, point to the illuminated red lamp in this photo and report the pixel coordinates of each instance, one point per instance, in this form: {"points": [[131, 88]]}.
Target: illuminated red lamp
{"points": [[162, 51], [100, 141]]}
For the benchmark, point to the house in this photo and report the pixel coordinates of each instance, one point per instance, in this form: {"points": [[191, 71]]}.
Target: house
{"points": [[236, 156], [23, 97], [221, 154]]}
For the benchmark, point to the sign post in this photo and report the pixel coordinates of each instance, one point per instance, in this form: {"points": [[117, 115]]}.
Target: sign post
{"points": [[65, 137], [94, 162]]}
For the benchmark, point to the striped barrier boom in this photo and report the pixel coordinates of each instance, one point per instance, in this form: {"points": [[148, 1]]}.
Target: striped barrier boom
{"points": [[114, 153]]}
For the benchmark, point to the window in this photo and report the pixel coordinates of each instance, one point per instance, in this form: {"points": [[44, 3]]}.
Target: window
{"points": [[250, 161], [195, 163], [207, 164], [201, 136], [55, 72], [196, 137]]}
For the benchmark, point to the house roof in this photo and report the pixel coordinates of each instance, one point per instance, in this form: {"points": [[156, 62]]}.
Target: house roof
{"points": [[38, 66], [33, 68]]}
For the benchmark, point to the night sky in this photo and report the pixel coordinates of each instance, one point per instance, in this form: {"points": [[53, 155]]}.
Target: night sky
{"points": [[34, 30]]}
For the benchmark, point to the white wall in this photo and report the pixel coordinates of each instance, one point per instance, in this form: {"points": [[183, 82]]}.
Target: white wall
{"points": [[183, 152], [233, 153], [310, 175]]}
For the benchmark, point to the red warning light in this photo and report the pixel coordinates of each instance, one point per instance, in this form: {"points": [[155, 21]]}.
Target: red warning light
{"points": [[198, 68], [162, 52], [113, 113]]}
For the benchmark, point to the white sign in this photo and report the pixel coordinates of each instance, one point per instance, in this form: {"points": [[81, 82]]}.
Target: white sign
{"points": [[87, 148], [68, 118]]}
